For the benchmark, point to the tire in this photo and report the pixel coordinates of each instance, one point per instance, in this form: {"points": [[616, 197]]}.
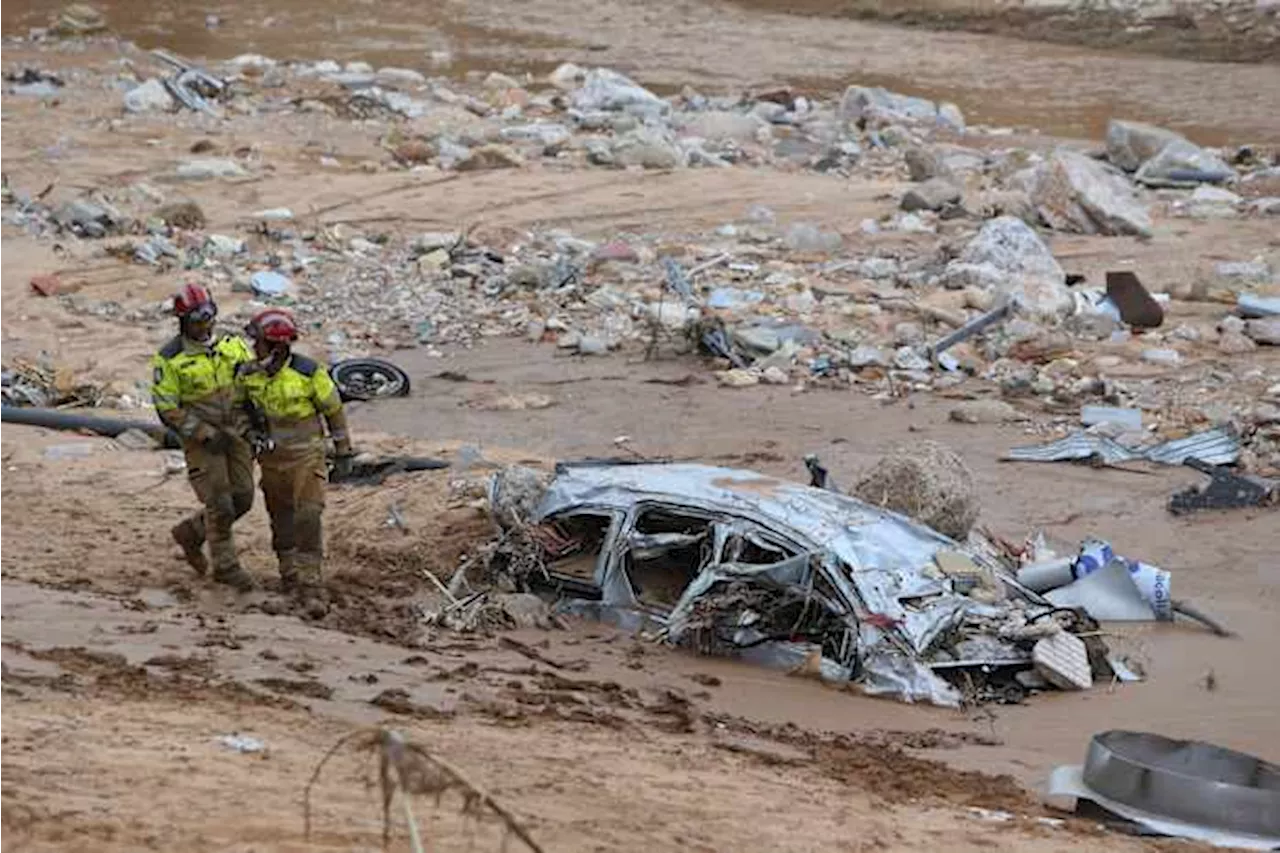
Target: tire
{"points": [[369, 379]]}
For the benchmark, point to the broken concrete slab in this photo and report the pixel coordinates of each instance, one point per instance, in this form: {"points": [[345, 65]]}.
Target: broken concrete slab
{"points": [[1076, 194]]}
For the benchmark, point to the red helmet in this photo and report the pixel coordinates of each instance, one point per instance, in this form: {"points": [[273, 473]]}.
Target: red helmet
{"points": [[274, 325], [192, 298]]}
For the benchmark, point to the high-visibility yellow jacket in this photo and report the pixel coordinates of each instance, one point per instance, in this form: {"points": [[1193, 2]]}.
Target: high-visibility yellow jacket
{"points": [[193, 383], [293, 401]]}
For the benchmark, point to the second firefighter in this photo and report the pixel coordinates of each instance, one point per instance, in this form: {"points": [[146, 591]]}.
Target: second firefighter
{"points": [[293, 398]]}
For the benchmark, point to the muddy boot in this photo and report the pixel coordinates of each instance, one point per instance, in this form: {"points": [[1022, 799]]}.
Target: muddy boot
{"points": [[191, 543], [309, 591], [235, 577]]}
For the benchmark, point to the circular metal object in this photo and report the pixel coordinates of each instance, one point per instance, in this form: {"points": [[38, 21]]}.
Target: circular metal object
{"points": [[1187, 781]]}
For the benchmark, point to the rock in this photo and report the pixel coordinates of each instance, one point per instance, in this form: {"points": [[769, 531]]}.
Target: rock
{"points": [[1235, 343], [951, 117], [274, 214], [1265, 331], [151, 96], [804, 237], [718, 125], [984, 412], [647, 147], [1132, 143], [1212, 203], [222, 246], [924, 164], [79, 19], [1076, 194], [449, 153], [875, 104], [737, 378], [490, 157], [1162, 357], [605, 89], [592, 345], [430, 241], [774, 375], [908, 334], [1267, 206], [1183, 164], [399, 77], [269, 283], [925, 481], [1008, 257], [933, 194], [414, 152], [549, 135], [867, 356], [89, 218], [567, 77], [182, 214], [251, 61], [207, 168]]}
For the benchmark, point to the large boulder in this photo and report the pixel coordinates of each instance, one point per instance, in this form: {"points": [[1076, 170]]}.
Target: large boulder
{"points": [[1183, 164], [1132, 143], [878, 105], [1008, 258], [1077, 194], [605, 89]]}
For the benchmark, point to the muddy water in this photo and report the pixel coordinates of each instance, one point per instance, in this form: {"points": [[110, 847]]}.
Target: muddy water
{"points": [[1066, 91]]}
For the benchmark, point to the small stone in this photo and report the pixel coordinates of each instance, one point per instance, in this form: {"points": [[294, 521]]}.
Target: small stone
{"points": [[924, 164], [186, 215], [737, 378], [434, 261], [984, 412], [933, 194], [1132, 143], [1265, 331], [867, 356], [1183, 164], [1235, 343], [208, 168], [400, 77], [775, 375], [1162, 357], [414, 152], [592, 345], [908, 334], [222, 246], [648, 148], [151, 96], [490, 157]]}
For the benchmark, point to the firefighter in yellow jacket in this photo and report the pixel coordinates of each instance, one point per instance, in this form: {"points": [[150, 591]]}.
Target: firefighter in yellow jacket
{"points": [[294, 396], [193, 388]]}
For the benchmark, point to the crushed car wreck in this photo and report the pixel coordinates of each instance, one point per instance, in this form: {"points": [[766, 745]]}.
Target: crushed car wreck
{"points": [[734, 562]]}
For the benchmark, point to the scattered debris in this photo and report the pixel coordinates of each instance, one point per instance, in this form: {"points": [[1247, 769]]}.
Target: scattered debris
{"points": [[1225, 490], [244, 744], [369, 379], [1176, 788], [1136, 306], [1218, 446]]}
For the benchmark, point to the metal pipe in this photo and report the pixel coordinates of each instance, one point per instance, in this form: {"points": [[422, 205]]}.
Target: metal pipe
{"points": [[968, 330], [109, 427]]}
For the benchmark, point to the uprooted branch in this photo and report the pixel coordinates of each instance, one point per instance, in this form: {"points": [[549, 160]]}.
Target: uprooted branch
{"points": [[410, 769]]}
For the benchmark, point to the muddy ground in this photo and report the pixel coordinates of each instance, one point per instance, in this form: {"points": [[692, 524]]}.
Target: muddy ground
{"points": [[122, 670]]}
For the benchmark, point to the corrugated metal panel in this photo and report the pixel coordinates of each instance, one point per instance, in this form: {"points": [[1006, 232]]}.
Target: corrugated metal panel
{"points": [[1077, 446], [1218, 446]]}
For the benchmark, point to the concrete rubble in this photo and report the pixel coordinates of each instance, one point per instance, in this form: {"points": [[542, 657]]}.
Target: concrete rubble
{"points": [[766, 299]]}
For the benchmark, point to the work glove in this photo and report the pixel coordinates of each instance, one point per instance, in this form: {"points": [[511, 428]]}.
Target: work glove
{"points": [[342, 467]]}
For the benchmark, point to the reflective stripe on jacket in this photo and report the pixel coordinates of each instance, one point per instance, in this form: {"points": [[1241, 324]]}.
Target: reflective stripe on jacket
{"points": [[294, 400]]}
